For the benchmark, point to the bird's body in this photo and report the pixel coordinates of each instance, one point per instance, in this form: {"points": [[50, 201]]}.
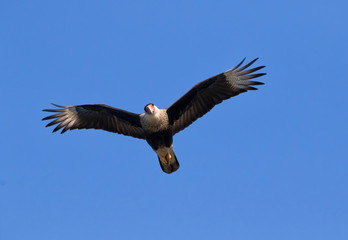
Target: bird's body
{"points": [[159, 135], [158, 126]]}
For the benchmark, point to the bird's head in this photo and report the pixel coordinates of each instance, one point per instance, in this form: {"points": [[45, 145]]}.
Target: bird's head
{"points": [[150, 109]]}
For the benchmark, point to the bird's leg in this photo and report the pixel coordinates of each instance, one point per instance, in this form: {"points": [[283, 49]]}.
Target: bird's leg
{"points": [[164, 160], [168, 157]]}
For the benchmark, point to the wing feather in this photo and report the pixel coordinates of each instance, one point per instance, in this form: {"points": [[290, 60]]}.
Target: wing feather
{"points": [[210, 92], [95, 116]]}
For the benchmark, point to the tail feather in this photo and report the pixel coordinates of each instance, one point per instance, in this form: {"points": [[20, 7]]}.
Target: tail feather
{"points": [[172, 166]]}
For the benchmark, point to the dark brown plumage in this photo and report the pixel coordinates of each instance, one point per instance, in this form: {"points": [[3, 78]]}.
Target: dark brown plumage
{"points": [[158, 126], [210, 92], [97, 116]]}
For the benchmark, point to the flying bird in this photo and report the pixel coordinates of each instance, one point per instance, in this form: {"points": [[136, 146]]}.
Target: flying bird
{"points": [[158, 126]]}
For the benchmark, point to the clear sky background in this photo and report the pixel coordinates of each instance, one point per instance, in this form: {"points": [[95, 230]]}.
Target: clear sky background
{"points": [[268, 164]]}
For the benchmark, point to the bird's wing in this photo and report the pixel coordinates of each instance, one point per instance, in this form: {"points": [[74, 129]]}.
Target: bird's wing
{"points": [[210, 92], [96, 116]]}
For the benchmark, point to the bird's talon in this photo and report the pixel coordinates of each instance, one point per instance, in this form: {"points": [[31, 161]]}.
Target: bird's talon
{"points": [[164, 160]]}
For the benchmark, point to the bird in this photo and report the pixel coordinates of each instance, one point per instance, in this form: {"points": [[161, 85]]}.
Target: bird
{"points": [[158, 126]]}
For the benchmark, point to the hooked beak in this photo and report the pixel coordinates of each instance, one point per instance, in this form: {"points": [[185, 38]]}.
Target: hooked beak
{"points": [[150, 109]]}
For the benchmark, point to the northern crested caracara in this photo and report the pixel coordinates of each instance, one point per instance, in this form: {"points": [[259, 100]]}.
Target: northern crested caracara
{"points": [[158, 126]]}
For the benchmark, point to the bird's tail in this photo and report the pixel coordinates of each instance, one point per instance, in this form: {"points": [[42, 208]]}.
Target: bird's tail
{"points": [[168, 163]]}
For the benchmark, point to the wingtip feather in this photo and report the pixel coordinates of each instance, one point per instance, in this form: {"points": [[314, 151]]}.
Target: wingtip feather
{"points": [[238, 65], [56, 105]]}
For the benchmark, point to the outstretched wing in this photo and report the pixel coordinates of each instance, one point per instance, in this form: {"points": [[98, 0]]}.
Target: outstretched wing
{"points": [[96, 116], [210, 92]]}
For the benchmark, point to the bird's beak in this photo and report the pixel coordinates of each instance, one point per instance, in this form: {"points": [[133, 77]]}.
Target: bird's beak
{"points": [[149, 110]]}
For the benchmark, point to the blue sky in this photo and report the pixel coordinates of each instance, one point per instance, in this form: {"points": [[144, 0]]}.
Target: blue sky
{"points": [[267, 164]]}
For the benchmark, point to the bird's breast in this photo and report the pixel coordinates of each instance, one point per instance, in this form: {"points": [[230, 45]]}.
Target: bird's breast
{"points": [[155, 122]]}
